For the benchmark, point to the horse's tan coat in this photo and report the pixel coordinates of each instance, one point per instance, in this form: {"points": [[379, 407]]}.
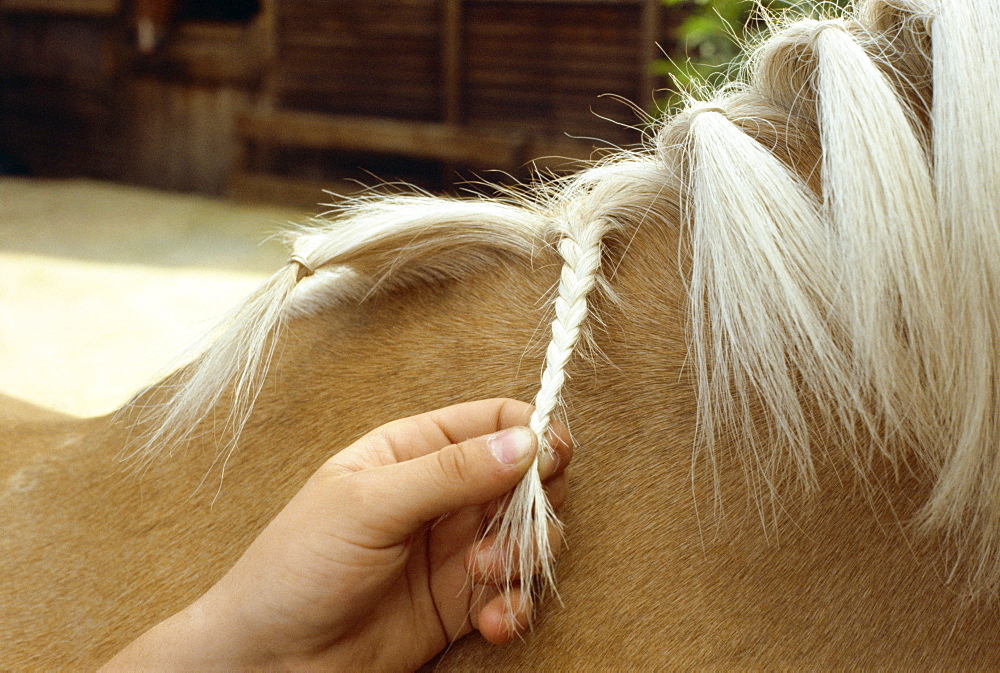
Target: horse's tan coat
{"points": [[92, 555]]}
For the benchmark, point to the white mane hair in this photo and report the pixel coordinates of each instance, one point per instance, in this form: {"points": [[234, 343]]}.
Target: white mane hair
{"points": [[375, 244], [860, 289], [845, 265]]}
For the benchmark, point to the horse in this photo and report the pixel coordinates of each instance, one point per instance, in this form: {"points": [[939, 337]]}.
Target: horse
{"points": [[780, 374]]}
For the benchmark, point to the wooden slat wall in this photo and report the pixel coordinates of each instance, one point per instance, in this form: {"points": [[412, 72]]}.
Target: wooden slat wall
{"points": [[372, 58], [546, 65], [536, 65], [57, 92], [74, 100], [180, 135]]}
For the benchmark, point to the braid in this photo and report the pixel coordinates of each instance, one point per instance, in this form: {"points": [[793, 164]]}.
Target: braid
{"points": [[523, 532], [593, 206], [581, 253]]}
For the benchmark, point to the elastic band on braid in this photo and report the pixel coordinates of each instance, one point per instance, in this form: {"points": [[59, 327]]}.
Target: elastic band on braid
{"points": [[305, 268], [523, 532]]}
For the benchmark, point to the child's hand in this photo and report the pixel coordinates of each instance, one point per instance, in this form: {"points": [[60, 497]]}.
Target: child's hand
{"points": [[375, 562]]}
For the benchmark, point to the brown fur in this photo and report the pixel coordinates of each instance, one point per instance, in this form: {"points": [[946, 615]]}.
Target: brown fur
{"points": [[94, 555]]}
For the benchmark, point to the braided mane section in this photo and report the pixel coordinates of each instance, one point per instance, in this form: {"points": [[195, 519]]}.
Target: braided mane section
{"points": [[844, 268], [523, 531], [585, 211]]}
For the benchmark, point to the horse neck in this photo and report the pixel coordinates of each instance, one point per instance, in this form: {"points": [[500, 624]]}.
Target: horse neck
{"points": [[670, 562], [828, 579], [695, 563]]}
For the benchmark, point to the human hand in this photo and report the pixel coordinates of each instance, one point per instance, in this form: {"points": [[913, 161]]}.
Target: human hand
{"points": [[375, 563]]}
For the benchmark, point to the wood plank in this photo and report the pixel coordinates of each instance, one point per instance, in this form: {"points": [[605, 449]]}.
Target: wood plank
{"points": [[554, 83], [211, 53], [325, 63], [75, 7], [487, 47], [309, 195], [451, 62], [586, 22], [534, 65], [364, 134], [509, 150], [560, 2], [379, 7], [388, 79], [361, 18], [367, 101], [323, 32], [648, 33], [328, 28], [513, 99], [356, 47]]}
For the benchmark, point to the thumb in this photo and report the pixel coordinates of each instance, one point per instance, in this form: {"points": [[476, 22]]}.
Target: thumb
{"points": [[472, 472]]}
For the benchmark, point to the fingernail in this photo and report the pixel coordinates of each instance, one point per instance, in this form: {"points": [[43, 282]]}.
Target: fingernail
{"points": [[484, 561], [511, 445], [548, 461]]}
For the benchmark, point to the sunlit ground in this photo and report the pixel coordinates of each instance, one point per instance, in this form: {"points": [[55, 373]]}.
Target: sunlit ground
{"points": [[103, 286]]}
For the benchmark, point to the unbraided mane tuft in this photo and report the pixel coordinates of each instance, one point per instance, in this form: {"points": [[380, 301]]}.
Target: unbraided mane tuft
{"points": [[858, 283], [375, 245]]}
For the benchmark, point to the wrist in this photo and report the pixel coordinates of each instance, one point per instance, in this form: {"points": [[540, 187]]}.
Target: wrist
{"points": [[199, 637]]}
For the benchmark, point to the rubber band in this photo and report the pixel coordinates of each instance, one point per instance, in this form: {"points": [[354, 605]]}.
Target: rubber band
{"points": [[305, 269]]}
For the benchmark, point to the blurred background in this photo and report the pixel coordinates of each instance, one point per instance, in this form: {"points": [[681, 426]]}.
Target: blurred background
{"points": [[271, 99], [148, 146]]}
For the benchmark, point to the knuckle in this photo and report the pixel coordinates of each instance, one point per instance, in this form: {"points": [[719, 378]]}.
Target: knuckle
{"points": [[456, 467], [332, 470], [556, 490], [357, 491]]}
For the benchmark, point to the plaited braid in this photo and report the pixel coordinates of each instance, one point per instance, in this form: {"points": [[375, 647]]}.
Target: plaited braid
{"points": [[523, 532], [581, 253]]}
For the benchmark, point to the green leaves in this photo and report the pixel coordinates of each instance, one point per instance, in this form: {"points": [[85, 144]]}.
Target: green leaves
{"points": [[711, 38]]}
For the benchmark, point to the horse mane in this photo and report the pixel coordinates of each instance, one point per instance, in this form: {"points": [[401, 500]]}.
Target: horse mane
{"points": [[844, 264], [367, 246], [850, 294]]}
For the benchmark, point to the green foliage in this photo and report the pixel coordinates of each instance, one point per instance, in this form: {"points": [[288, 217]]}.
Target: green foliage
{"points": [[712, 36]]}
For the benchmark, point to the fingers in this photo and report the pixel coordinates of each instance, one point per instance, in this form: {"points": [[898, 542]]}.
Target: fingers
{"points": [[420, 435], [556, 489], [484, 563], [420, 490], [499, 616], [419, 468], [505, 617], [487, 565]]}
